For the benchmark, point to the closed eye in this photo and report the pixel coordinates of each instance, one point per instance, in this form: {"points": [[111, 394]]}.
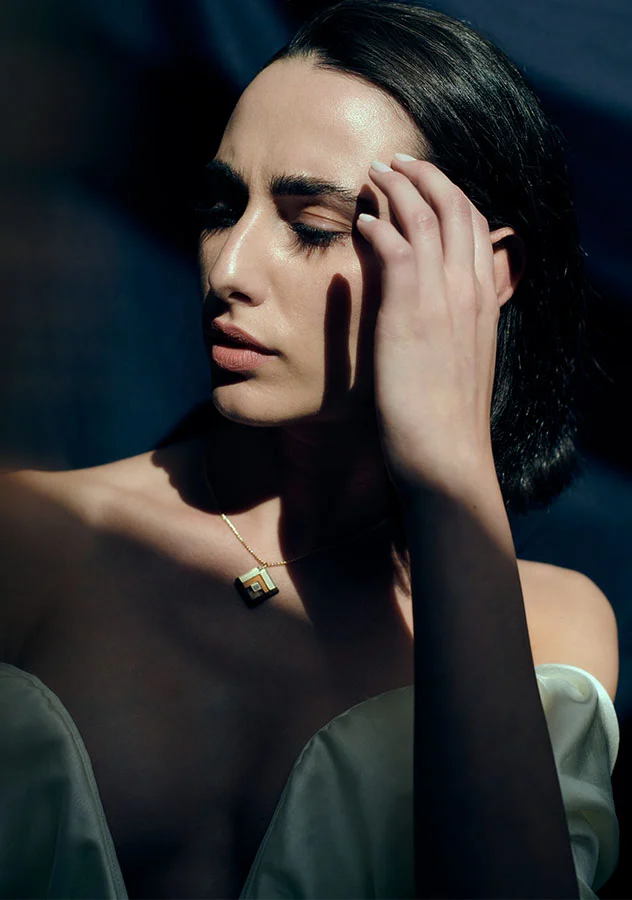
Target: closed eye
{"points": [[220, 216]]}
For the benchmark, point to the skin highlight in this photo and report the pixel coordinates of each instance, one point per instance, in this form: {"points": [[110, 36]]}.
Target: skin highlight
{"points": [[314, 470]]}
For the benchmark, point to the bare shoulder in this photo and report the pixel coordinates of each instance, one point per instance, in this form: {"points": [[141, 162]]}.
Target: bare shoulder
{"points": [[36, 528], [88, 493], [50, 523], [570, 621]]}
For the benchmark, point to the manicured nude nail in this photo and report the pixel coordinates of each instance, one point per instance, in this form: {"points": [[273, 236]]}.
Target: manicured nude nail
{"points": [[380, 167], [404, 157], [366, 217]]}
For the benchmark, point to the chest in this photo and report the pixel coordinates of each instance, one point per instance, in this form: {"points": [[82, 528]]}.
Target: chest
{"points": [[193, 708]]}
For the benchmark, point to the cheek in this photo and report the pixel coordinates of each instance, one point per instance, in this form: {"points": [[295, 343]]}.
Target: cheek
{"points": [[203, 261]]}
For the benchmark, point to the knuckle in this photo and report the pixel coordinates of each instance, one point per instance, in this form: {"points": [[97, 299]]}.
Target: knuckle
{"points": [[400, 253], [424, 219], [459, 204]]}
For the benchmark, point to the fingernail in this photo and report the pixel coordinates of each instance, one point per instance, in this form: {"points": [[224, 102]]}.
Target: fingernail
{"points": [[366, 217], [380, 167], [404, 157]]}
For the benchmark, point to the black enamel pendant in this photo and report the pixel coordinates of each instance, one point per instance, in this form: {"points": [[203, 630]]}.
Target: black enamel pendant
{"points": [[256, 586]]}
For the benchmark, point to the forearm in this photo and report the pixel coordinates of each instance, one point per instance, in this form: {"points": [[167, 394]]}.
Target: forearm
{"points": [[489, 815]]}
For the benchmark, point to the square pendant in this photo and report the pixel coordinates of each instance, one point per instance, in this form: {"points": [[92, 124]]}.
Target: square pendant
{"points": [[256, 586]]}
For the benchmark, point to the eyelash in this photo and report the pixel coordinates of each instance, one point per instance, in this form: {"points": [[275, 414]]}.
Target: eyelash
{"points": [[307, 237]]}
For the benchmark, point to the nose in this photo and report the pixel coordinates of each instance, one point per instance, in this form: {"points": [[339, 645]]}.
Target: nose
{"points": [[233, 261]]}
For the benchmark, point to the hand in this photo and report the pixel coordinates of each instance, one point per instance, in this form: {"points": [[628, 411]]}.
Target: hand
{"points": [[435, 338]]}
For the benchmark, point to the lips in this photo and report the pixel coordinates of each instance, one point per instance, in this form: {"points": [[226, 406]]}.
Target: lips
{"points": [[232, 336]]}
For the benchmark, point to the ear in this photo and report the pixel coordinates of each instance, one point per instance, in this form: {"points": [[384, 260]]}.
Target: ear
{"points": [[509, 262]]}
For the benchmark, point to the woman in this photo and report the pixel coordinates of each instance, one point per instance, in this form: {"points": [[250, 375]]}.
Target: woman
{"points": [[388, 221]]}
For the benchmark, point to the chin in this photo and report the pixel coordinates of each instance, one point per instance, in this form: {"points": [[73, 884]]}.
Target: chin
{"points": [[232, 403], [237, 404]]}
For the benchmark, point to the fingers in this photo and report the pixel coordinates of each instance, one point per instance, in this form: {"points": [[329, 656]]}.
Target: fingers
{"points": [[410, 248], [421, 192], [401, 285], [484, 259], [445, 231]]}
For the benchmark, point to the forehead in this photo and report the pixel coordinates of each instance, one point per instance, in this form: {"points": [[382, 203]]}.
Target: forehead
{"points": [[294, 116]]}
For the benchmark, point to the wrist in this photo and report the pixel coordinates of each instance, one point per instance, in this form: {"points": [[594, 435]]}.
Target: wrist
{"points": [[464, 477], [457, 501]]}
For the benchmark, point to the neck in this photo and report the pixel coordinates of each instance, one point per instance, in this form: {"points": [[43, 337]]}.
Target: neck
{"points": [[303, 487]]}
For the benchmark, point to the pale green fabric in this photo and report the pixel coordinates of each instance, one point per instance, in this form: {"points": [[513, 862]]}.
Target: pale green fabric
{"points": [[343, 825], [54, 839]]}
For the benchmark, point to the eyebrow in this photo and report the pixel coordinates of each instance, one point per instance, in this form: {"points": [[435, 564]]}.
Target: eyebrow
{"points": [[286, 185]]}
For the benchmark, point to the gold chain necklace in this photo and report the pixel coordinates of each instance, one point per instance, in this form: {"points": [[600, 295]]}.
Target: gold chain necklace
{"points": [[257, 585]]}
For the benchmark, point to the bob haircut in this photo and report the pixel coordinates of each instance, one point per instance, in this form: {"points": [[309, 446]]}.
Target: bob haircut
{"points": [[481, 123]]}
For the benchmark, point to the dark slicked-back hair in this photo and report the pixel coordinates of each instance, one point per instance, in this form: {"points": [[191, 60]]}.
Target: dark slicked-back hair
{"points": [[481, 123]]}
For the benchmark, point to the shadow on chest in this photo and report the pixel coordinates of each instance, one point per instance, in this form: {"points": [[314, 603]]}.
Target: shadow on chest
{"points": [[193, 708]]}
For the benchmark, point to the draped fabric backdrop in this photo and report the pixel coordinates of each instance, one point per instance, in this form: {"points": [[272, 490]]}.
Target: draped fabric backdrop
{"points": [[108, 112]]}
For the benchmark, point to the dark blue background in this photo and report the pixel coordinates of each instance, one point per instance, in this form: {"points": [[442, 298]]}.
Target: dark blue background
{"points": [[108, 112]]}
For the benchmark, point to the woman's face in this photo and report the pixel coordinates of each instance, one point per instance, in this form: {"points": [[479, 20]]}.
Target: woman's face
{"points": [[314, 304]]}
